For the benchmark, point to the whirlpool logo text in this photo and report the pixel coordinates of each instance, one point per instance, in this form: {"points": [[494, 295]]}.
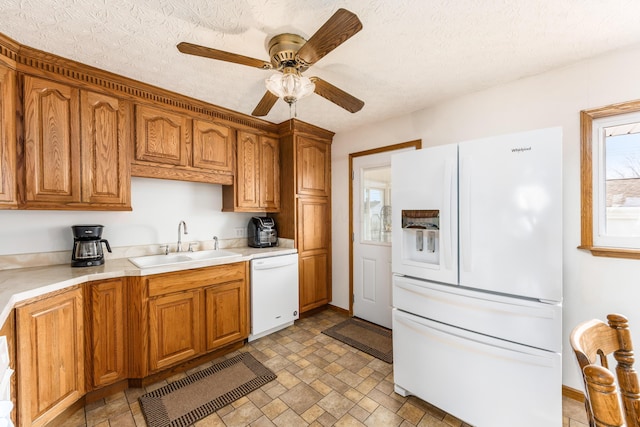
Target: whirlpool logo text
{"points": [[520, 149]]}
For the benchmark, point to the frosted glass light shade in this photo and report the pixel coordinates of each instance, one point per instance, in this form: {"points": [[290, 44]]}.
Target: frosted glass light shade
{"points": [[290, 85]]}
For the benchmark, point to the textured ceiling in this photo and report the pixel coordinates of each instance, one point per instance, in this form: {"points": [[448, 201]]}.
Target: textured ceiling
{"points": [[410, 54]]}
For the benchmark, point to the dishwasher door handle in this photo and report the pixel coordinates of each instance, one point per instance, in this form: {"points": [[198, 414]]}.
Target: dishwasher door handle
{"points": [[274, 262]]}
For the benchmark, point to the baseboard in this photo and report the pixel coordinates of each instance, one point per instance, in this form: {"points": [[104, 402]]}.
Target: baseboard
{"points": [[338, 309], [572, 393], [185, 366], [105, 391], [62, 418]]}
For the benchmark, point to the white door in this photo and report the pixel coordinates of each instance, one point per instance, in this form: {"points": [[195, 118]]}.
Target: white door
{"points": [[372, 237]]}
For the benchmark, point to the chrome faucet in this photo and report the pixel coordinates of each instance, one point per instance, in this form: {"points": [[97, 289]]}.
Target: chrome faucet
{"points": [[179, 246], [215, 242]]}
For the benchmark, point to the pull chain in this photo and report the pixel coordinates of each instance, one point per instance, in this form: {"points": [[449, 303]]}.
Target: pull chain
{"points": [[293, 113]]}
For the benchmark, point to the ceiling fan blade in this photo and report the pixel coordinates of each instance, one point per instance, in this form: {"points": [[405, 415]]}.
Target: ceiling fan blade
{"points": [[265, 104], [338, 29], [208, 52], [337, 96]]}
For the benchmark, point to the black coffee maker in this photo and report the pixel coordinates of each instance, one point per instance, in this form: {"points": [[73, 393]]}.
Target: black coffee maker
{"points": [[87, 246]]}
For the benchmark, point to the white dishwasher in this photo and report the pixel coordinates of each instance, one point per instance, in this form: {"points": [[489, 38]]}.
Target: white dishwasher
{"points": [[274, 294]]}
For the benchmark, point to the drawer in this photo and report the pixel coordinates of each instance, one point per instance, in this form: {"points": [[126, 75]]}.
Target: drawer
{"points": [[461, 372], [190, 279], [524, 321]]}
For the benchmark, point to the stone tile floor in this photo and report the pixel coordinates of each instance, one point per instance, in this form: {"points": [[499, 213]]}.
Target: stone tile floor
{"points": [[321, 382]]}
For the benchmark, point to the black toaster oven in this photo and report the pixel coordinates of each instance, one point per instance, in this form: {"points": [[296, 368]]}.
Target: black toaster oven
{"points": [[261, 232]]}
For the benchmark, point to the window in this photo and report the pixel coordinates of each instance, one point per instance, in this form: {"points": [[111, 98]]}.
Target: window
{"points": [[610, 162], [376, 204]]}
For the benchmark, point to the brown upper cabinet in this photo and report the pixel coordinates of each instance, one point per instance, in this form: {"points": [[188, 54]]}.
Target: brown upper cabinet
{"points": [[161, 136], [106, 132], [71, 136], [171, 145], [8, 198], [256, 187], [313, 169], [212, 146], [75, 148]]}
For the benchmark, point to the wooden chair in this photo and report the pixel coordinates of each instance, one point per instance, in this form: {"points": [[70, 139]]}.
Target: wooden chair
{"points": [[592, 342]]}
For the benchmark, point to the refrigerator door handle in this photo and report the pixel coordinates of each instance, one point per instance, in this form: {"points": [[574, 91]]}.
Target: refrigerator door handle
{"points": [[465, 214], [477, 304], [448, 203], [477, 343]]}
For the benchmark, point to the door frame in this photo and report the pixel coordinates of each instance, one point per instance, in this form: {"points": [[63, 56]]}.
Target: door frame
{"points": [[417, 144]]}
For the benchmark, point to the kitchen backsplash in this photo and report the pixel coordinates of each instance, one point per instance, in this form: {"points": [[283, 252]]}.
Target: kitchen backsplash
{"points": [[8, 262]]}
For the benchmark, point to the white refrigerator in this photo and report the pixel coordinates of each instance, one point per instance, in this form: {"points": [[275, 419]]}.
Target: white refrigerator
{"points": [[477, 286]]}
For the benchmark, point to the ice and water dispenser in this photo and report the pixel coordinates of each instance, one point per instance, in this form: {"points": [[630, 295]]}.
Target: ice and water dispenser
{"points": [[421, 236]]}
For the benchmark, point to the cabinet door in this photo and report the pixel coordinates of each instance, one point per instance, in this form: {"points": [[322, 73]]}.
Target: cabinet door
{"points": [[313, 167], [105, 137], [314, 224], [314, 281], [246, 183], [269, 174], [161, 136], [52, 142], [174, 328], [212, 146], [313, 239], [107, 314], [7, 139], [226, 313], [51, 357]]}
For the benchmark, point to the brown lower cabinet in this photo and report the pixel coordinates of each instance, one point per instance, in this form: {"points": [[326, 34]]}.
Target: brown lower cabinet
{"points": [[174, 328], [104, 332], [175, 317], [226, 313], [50, 357], [187, 323], [314, 292]]}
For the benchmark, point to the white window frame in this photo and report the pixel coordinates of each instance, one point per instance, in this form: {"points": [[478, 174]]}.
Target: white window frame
{"points": [[600, 236]]}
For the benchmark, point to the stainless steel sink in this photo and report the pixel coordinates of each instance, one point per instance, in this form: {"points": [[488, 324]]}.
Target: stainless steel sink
{"points": [[181, 257]]}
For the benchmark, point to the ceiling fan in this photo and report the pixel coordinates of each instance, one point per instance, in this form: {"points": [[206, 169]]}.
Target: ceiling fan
{"points": [[291, 55]]}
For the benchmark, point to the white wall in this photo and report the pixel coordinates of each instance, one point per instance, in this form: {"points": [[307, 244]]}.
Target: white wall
{"points": [[158, 207], [593, 286]]}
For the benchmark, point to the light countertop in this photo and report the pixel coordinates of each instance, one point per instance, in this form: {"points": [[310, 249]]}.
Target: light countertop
{"points": [[20, 284]]}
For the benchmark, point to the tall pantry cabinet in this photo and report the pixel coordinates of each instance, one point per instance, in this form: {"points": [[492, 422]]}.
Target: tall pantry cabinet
{"points": [[305, 213]]}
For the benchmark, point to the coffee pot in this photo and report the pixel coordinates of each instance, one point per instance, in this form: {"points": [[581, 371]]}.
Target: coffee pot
{"points": [[87, 246]]}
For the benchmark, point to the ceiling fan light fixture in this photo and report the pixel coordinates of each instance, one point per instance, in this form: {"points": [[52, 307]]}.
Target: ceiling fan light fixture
{"points": [[290, 85]]}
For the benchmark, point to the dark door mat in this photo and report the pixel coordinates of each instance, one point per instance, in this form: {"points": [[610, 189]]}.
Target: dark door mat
{"points": [[365, 336]]}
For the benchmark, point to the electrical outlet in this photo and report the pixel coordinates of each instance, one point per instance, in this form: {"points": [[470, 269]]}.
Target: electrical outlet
{"points": [[241, 232]]}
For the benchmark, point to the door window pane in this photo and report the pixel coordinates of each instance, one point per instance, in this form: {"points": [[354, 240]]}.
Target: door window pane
{"points": [[376, 204]]}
